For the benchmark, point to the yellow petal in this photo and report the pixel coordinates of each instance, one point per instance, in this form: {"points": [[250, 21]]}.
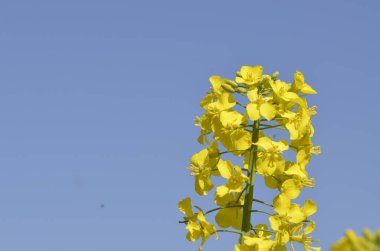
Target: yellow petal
{"points": [[309, 208], [194, 231], [281, 204], [271, 182], [290, 96], [216, 82], [275, 222], [253, 95], [225, 102], [208, 99], [268, 111], [199, 159], [291, 188], [295, 214], [222, 191], [223, 218], [253, 111], [237, 218], [185, 207], [199, 186], [225, 168], [283, 145], [240, 140], [265, 143], [307, 89], [310, 228]]}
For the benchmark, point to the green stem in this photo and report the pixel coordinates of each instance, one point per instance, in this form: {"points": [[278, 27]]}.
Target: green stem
{"points": [[248, 199], [262, 202], [280, 127], [219, 208], [270, 126], [228, 231], [259, 211], [225, 152], [261, 124], [239, 104]]}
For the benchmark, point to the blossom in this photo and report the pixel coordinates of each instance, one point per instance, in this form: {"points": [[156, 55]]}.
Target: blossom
{"points": [[259, 106], [235, 178], [197, 225], [249, 75], [270, 155]]}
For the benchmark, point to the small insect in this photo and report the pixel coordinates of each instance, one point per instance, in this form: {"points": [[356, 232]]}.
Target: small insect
{"points": [[102, 205]]}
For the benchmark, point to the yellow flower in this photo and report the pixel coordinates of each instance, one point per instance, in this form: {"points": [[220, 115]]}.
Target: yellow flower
{"points": [[298, 179], [291, 181], [249, 75], [305, 149], [196, 225], [298, 123], [202, 167], [352, 242], [255, 244], [213, 106], [269, 156], [287, 215], [216, 91], [288, 212], [299, 84], [185, 207], [282, 92], [259, 106], [303, 238], [216, 83], [232, 133], [259, 241], [235, 178], [207, 229]]}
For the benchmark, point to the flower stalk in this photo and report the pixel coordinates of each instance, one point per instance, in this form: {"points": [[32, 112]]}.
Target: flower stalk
{"points": [[246, 223]]}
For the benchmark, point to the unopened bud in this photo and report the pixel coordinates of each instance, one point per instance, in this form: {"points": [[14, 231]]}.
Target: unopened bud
{"points": [[241, 90], [228, 88], [265, 80], [275, 75], [231, 83]]}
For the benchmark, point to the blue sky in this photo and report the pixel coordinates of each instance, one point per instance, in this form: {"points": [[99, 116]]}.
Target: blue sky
{"points": [[97, 100]]}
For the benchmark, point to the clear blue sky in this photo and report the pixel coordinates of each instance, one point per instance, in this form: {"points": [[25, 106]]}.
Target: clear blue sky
{"points": [[97, 100]]}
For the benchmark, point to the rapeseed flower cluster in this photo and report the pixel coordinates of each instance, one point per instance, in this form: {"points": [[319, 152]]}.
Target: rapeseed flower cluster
{"points": [[239, 116], [370, 241]]}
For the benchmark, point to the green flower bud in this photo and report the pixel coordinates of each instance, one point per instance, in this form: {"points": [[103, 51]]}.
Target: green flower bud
{"points": [[265, 80], [241, 90], [231, 83], [275, 75], [228, 88]]}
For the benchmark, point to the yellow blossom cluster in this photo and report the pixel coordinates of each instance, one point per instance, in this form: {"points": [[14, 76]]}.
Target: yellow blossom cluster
{"points": [[239, 117], [351, 242]]}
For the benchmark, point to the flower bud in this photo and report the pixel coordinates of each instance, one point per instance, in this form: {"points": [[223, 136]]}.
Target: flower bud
{"points": [[228, 88], [241, 90], [265, 80], [231, 83], [275, 75]]}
